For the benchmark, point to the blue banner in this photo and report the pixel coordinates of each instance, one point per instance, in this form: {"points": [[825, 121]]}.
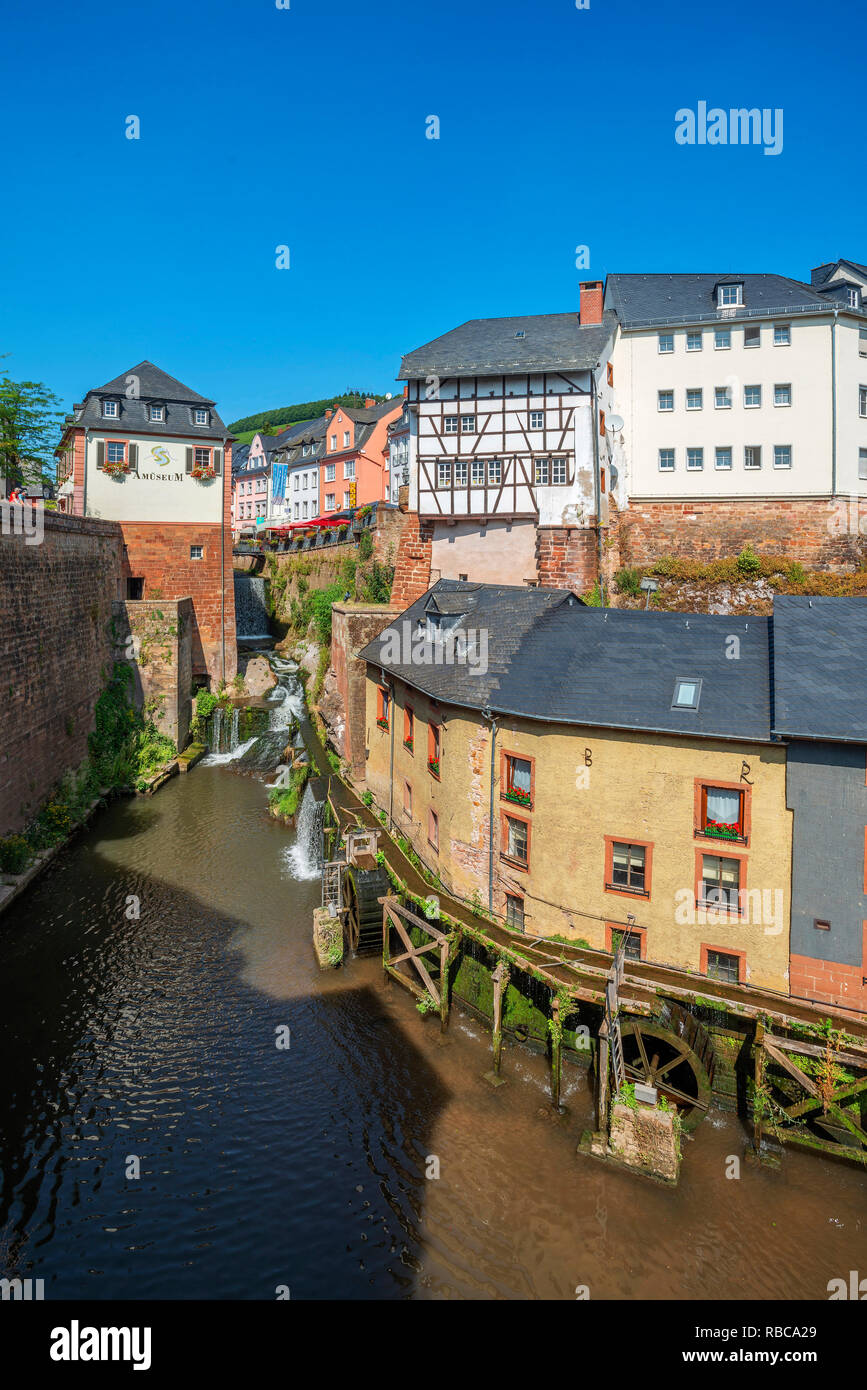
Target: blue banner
{"points": [[278, 481]]}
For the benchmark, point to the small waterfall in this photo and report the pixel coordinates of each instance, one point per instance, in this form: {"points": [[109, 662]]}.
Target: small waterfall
{"points": [[251, 609], [233, 736], [216, 730], [304, 859]]}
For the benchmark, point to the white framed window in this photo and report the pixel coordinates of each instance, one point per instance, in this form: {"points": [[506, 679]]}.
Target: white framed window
{"points": [[752, 456], [853, 299], [468, 424], [200, 416], [722, 397], [349, 469], [694, 341], [722, 338], [296, 483], [460, 472], [541, 472], [537, 419], [304, 511], [752, 397], [477, 472], [782, 455], [665, 342], [297, 510], [450, 424], [666, 460], [782, 335], [558, 472], [495, 471], [346, 439], [862, 465], [752, 336], [330, 472], [694, 460], [330, 500], [444, 473], [109, 410], [333, 442], [347, 498], [665, 400], [862, 400], [783, 393], [694, 398], [197, 552], [115, 451], [722, 457], [305, 450], [304, 481], [156, 412], [728, 295]]}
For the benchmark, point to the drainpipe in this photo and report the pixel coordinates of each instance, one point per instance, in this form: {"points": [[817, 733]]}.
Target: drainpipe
{"points": [[597, 493], [489, 714], [389, 685], [834, 405]]}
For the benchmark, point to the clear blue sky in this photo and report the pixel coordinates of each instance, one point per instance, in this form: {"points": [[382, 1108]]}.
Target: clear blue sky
{"points": [[306, 127]]}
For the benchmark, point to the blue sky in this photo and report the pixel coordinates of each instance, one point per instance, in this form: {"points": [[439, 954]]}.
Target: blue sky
{"points": [[306, 127]]}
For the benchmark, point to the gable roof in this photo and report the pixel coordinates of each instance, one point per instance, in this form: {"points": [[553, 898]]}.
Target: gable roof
{"points": [[820, 668], [154, 386], [485, 347], [642, 299], [822, 274]]}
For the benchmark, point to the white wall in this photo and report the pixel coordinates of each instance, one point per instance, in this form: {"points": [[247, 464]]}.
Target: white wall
{"points": [[161, 490]]}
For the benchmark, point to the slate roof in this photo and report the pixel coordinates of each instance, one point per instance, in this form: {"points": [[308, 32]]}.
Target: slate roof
{"points": [[486, 347], [822, 273], [563, 662], [637, 299], [154, 385], [820, 668]]}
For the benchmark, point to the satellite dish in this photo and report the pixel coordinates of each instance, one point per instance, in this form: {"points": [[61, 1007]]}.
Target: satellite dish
{"points": [[615, 422]]}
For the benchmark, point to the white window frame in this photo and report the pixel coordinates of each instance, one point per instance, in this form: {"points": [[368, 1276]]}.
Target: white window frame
{"points": [[109, 410], [691, 345], [753, 405], [788, 449], [695, 391], [665, 409], [668, 338], [753, 328], [725, 333], [330, 501], [862, 465], [726, 403], [752, 449], [200, 416], [331, 472], [730, 296], [477, 472], [667, 467], [460, 472], [444, 473], [723, 449], [695, 467], [468, 424], [783, 386], [559, 474], [197, 552], [495, 472], [346, 439], [779, 329], [862, 401], [541, 472], [349, 470], [450, 424], [537, 419], [155, 413]]}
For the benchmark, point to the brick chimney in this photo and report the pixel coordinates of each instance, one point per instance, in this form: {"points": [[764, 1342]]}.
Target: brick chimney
{"points": [[591, 302], [328, 412], [369, 403]]}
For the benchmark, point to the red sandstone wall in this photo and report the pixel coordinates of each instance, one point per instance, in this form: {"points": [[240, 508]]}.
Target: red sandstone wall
{"points": [[566, 557], [353, 625], [828, 982], [412, 564], [55, 653]]}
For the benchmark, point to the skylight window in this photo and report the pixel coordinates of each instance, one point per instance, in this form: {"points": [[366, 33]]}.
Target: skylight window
{"points": [[519, 333], [686, 694]]}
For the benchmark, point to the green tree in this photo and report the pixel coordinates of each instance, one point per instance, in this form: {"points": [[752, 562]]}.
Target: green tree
{"points": [[30, 426]]}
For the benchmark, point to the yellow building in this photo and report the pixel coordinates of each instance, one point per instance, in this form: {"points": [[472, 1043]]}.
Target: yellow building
{"points": [[625, 760]]}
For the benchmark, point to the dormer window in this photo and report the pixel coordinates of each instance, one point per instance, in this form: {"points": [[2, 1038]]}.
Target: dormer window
{"points": [[156, 412], [687, 694], [109, 410], [728, 296], [200, 416], [853, 298]]}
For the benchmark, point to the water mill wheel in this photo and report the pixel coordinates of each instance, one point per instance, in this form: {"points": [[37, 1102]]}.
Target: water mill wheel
{"points": [[673, 1052], [362, 889]]}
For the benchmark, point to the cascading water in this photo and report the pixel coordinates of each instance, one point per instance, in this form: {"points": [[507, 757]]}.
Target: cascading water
{"points": [[304, 858], [251, 609], [216, 730]]}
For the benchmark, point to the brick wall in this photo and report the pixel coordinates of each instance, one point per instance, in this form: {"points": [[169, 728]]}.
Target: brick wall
{"points": [[55, 653], [353, 625], [823, 533], [162, 669], [566, 557], [828, 982], [412, 576]]}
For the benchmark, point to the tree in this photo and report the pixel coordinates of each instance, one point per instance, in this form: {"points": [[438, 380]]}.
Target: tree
{"points": [[31, 420]]}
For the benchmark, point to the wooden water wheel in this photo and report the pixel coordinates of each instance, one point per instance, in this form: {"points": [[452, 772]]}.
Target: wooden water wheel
{"points": [[674, 1053], [363, 886]]}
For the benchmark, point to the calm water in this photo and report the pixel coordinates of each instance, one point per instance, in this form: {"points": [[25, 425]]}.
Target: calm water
{"points": [[155, 1036]]}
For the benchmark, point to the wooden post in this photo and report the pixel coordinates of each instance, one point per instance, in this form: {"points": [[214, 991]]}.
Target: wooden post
{"points": [[445, 955], [500, 978], [602, 1080], [759, 1077], [386, 931], [556, 1052]]}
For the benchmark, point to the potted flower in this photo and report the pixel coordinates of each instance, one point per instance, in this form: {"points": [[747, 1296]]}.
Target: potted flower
{"points": [[723, 830], [203, 471], [382, 723], [341, 529], [434, 766], [521, 798], [115, 468]]}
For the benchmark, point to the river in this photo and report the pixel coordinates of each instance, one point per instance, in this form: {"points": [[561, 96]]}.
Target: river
{"points": [[146, 979]]}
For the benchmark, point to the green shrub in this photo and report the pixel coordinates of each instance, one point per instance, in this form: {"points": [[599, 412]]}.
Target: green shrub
{"points": [[365, 546], [797, 573], [367, 798], [594, 598], [748, 562], [628, 581], [15, 854]]}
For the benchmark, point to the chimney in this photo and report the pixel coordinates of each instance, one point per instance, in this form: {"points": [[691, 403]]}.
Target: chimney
{"points": [[369, 403], [591, 302], [328, 412]]}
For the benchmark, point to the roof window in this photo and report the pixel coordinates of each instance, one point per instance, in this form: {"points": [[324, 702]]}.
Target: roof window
{"points": [[687, 693]]}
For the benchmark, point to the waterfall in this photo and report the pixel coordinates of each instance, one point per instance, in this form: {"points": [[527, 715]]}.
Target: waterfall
{"points": [[251, 610], [304, 859], [233, 737], [216, 730]]}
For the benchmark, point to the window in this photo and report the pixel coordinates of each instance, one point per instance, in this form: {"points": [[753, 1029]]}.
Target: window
{"points": [[196, 552], [135, 589], [450, 424], [722, 965], [782, 335], [433, 830], [495, 471], [862, 400], [305, 450], [633, 937], [752, 456], [627, 867], [665, 400], [408, 729], [862, 342], [666, 460], [666, 342], [752, 336], [728, 295], [115, 451], [330, 501], [862, 465], [693, 342], [477, 472], [783, 394], [782, 455], [515, 912], [541, 472], [200, 416], [853, 298], [468, 424], [349, 468], [297, 510], [558, 472], [722, 812], [407, 799], [516, 841], [333, 442], [444, 473], [330, 472], [460, 472], [722, 398], [109, 410], [347, 498], [720, 882], [537, 419], [694, 460], [156, 412], [305, 511], [346, 439], [383, 704], [201, 456], [433, 749], [722, 338], [752, 397], [687, 693], [693, 398], [517, 780], [296, 482], [723, 457]]}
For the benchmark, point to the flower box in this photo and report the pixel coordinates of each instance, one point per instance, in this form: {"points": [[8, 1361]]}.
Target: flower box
{"points": [[382, 723], [116, 470], [434, 766], [720, 831], [519, 798], [202, 472], [408, 744]]}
